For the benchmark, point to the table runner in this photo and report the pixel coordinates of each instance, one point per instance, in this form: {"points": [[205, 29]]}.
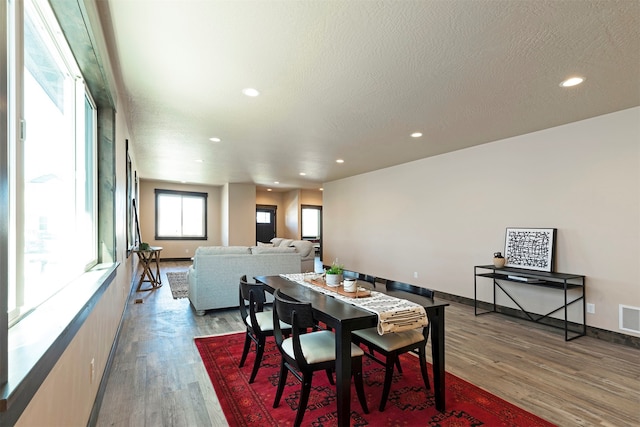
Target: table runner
{"points": [[394, 314]]}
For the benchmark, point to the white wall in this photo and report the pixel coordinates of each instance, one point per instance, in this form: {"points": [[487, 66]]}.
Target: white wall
{"points": [[311, 197], [291, 202], [242, 214], [442, 215]]}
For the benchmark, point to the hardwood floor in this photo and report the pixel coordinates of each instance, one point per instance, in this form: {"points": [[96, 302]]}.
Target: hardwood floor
{"points": [[158, 379]]}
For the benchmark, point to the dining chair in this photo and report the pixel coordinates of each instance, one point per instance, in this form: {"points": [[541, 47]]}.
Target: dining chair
{"points": [[348, 274], [259, 323], [367, 278], [305, 352], [392, 345]]}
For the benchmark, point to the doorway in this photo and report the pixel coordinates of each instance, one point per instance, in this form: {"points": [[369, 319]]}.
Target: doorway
{"points": [[265, 223]]}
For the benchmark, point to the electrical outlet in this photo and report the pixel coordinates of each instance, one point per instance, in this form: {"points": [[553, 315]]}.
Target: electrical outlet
{"points": [[591, 308], [92, 374], [415, 274]]}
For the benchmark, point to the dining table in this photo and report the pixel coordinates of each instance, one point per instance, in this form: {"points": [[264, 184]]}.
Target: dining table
{"points": [[344, 318]]}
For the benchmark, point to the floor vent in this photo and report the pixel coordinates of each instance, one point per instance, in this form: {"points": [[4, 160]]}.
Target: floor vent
{"points": [[630, 318]]}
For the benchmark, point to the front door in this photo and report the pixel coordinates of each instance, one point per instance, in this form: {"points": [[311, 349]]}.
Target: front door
{"points": [[265, 223]]}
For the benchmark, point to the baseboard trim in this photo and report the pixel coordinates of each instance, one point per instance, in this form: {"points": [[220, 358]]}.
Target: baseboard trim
{"points": [[602, 334], [175, 259]]}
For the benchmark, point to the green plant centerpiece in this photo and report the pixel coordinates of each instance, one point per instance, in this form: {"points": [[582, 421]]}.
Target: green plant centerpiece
{"points": [[334, 274], [144, 246]]}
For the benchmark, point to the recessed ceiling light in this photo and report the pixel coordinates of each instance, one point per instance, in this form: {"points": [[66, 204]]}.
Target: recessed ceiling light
{"points": [[276, 182], [573, 81], [250, 91], [416, 135], [339, 161], [302, 174], [199, 160], [214, 139], [269, 189], [321, 189]]}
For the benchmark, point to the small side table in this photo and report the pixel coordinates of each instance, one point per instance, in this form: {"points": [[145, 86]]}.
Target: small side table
{"points": [[147, 259]]}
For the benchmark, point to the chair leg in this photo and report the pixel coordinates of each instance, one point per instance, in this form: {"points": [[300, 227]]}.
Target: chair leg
{"points": [[245, 350], [357, 379], [304, 397], [422, 355], [388, 376], [398, 365], [330, 376], [256, 363], [282, 380]]}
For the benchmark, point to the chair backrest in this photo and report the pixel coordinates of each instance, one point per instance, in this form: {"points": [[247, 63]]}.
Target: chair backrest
{"points": [[247, 289], [350, 274], [253, 293], [288, 311], [392, 285], [299, 315], [367, 278]]}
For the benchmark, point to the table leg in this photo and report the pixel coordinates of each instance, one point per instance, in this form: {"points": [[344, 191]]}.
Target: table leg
{"points": [[343, 375], [158, 278], [436, 322], [146, 260]]}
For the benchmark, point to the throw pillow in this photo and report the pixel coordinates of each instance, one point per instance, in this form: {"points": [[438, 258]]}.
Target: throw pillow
{"points": [[303, 247], [286, 242]]}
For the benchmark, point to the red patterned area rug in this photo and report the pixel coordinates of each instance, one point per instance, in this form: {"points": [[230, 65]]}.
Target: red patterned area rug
{"points": [[409, 404]]}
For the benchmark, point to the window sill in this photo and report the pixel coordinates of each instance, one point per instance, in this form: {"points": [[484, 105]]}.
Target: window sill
{"points": [[37, 342]]}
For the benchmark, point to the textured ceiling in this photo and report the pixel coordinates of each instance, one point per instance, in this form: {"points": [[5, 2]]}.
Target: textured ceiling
{"points": [[353, 79]]}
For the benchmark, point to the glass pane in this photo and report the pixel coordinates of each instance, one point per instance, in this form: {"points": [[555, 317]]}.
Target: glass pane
{"points": [[263, 217], [310, 222], [86, 181], [169, 215], [192, 216], [49, 228]]}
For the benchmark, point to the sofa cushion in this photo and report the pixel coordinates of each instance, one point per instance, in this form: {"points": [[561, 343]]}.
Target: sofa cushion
{"points": [[276, 241], [286, 243], [265, 244], [303, 247], [271, 250]]}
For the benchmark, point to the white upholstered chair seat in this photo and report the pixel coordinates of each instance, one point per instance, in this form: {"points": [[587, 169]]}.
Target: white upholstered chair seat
{"points": [[390, 342], [318, 347], [265, 321]]}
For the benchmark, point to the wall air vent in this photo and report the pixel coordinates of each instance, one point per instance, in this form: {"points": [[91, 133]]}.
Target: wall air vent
{"points": [[630, 318]]}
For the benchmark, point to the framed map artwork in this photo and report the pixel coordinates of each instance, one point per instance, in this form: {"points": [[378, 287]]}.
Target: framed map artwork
{"points": [[530, 248]]}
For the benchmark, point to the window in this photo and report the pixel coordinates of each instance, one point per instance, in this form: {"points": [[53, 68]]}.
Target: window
{"points": [[263, 217], [53, 158], [181, 215], [311, 222]]}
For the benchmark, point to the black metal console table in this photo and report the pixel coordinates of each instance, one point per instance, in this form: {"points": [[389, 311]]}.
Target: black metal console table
{"points": [[559, 281]]}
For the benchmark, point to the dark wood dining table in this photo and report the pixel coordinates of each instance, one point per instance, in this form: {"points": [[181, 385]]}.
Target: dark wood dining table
{"points": [[344, 318]]}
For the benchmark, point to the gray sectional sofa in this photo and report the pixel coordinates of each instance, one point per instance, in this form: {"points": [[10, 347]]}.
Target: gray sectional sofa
{"points": [[216, 271]]}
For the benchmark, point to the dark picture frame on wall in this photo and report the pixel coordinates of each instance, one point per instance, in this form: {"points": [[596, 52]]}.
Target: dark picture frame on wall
{"points": [[131, 211], [530, 248]]}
